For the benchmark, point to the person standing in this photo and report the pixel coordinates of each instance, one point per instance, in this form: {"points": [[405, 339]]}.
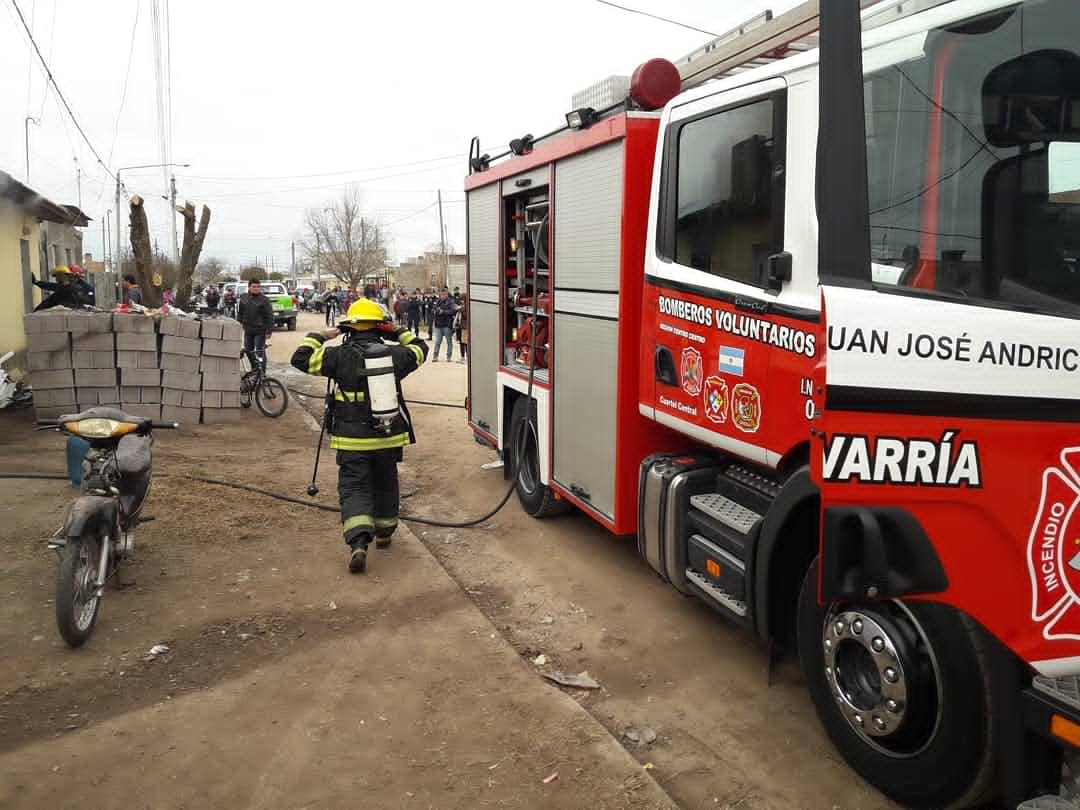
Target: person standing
{"points": [[368, 450], [412, 312], [213, 298], [256, 315], [463, 328], [132, 294], [443, 317]]}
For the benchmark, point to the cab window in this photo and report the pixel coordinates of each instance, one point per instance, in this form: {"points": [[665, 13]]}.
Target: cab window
{"points": [[974, 162], [727, 213]]}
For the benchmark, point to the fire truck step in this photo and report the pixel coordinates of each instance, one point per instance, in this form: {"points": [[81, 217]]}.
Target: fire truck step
{"points": [[1066, 689], [726, 511], [748, 488], [1048, 803], [716, 596]]}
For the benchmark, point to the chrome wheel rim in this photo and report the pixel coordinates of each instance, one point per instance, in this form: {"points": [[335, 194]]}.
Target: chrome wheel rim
{"points": [[528, 463], [84, 605], [883, 676]]}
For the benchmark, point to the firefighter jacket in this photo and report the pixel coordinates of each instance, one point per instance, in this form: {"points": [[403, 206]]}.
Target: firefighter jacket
{"points": [[352, 428]]}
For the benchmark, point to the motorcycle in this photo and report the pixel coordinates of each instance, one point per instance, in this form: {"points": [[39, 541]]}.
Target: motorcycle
{"points": [[12, 392], [98, 531]]}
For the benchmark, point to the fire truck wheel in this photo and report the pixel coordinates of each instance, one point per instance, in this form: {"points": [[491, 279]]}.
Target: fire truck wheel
{"points": [[902, 693], [536, 499]]}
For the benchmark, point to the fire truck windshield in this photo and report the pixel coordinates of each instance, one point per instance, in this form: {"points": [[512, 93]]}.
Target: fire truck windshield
{"points": [[973, 153]]}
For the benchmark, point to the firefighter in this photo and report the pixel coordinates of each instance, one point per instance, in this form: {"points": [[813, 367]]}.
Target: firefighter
{"points": [[368, 449]]}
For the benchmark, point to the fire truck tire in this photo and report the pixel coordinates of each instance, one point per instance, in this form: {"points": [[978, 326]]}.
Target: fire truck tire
{"points": [[903, 694], [536, 498]]}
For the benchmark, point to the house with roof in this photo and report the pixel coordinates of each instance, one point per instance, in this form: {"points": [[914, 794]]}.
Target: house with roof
{"points": [[36, 234]]}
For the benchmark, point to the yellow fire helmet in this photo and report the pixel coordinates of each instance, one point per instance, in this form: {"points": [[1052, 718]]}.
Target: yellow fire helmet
{"points": [[363, 314], [62, 270]]}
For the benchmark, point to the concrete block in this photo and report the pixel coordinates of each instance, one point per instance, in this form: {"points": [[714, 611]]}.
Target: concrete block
{"points": [[51, 412], [48, 342], [55, 398], [136, 342], [230, 399], [175, 326], [150, 396], [81, 323], [95, 377], [221, 382], [231, 330], [147, 360], [140, 324], [141, 409], [140, 376], [211, 329], [191, 399], [61, 378], [179, 362], [94, 342], [141, 360], [130, 393], [221, 348], [211, 399], [220, 416], [220, 364], [182, 380], [92, 396], [48, 320], [45, 361], [94, 359], [171, 396], [192, 347], [184, 416]]}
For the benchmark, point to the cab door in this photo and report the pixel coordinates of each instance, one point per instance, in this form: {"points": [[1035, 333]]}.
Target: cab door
{"points": [[731, 304]]}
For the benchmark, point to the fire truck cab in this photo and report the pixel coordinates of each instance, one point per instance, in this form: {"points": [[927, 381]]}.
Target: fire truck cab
{"points": [[803, 320]]}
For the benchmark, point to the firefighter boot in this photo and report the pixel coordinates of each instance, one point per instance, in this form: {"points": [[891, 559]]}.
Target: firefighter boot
{"points": [[358, 554], [383, 538]]}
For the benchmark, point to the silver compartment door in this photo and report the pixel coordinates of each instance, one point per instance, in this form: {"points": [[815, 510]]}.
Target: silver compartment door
{"points": [[483, 254]]}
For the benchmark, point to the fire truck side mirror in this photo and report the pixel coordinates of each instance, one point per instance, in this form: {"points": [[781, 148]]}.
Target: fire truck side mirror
{"points": [[779, 269]]}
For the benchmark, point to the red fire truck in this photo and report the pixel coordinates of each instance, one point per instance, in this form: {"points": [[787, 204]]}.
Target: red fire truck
{"points": [[800, 313]]}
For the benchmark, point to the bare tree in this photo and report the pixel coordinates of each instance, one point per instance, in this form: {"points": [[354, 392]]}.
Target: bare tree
{"points": [[193, 244], [210, 270], [347, 244], [252, 272], [144, 254]]}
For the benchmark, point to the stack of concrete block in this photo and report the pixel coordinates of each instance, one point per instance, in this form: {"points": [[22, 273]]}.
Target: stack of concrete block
{"points": [[170, 368]]}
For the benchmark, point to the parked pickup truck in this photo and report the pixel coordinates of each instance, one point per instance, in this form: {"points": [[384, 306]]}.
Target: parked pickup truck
{"points": [[282, 302]]}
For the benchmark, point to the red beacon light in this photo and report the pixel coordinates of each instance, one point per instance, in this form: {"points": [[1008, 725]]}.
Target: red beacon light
{"points": [[654, 84]]}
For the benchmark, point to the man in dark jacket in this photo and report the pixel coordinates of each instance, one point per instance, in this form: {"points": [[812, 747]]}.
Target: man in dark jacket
{"points": [[213, 298], [369, 444], [412, 312], [256, 314], [65, 291], [444, 311]]}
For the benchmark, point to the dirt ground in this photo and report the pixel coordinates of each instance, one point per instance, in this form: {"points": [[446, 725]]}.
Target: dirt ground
{"points": [[291, 684]]}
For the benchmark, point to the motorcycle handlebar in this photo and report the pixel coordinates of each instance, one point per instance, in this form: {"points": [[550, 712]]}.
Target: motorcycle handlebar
{"points": [[164, 425]]}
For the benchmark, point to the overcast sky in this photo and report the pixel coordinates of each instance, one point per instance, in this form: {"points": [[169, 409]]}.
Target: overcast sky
{"points": [[279, 106]]}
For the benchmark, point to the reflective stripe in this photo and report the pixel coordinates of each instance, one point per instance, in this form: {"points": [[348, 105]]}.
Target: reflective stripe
{"points": [[367, 444], [419, 354], [405, 338], [385, 523], [310, 342], [356, 522], [349, 396], [315, 361]]}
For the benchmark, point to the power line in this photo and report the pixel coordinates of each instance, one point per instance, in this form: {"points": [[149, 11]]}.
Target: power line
{"points": [[56, 87], [127, 75], [346, 184], [52, 34], [325, 174], [656, 17]]}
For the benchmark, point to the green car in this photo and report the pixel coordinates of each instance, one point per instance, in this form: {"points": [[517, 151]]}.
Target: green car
{"points": [[282, 302]]}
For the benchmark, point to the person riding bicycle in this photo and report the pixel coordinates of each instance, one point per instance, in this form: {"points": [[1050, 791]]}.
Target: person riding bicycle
{"points": [[256, 314], [368, 450]]}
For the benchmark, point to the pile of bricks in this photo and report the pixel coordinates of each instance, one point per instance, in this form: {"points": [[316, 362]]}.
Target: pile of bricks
{"points": [[170, 368]]}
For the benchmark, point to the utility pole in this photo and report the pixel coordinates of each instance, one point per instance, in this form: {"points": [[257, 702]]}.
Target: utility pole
{"points": [[318, 261], [104, 250], [442, 240], [26, 135], [107, 245], [78, 181], [293, 262], [172, 219]]}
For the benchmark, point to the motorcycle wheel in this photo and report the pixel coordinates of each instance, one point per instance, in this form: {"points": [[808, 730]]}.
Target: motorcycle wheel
{"points": [[271, 397], [77, 602]]}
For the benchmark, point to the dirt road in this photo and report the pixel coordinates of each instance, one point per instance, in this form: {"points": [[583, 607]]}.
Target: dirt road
{"points": [[289, 683], [569, 590]]}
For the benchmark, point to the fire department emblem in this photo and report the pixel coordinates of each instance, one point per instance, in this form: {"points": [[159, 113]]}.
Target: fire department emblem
{"points": [[692, 371], [1054, 551], [746, 408], [716, 400]]}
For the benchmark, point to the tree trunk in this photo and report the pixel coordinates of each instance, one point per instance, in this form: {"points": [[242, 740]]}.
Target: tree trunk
{"points": [[189, 255], [144, 256]]}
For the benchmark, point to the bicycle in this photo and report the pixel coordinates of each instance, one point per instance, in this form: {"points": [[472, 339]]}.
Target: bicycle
{"points": [[331, 312], [271, 397]]}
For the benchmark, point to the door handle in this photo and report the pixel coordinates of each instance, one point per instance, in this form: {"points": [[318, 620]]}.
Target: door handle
{"points": [[664, 364]]}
